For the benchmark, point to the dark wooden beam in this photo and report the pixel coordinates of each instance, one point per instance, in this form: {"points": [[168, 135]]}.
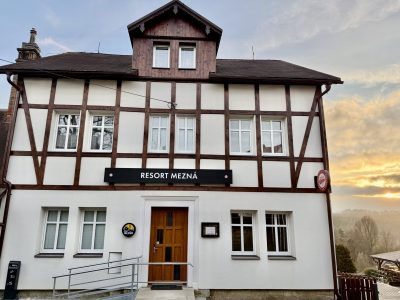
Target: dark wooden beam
{"points": [[116, 124], [46, 138], [226, 124], [172, 127], [198, 125], [31, 134], [146, 125], [290, 136], [258, 136], [81, 133]]}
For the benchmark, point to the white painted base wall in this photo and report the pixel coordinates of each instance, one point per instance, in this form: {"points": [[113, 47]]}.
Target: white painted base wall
{"points": [[211, 257]]}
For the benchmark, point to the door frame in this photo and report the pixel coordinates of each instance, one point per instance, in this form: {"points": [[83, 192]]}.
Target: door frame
{"points": [[170, 201]]}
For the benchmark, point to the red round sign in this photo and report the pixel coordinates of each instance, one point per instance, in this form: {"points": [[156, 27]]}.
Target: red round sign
{"points": [[323, 180]]}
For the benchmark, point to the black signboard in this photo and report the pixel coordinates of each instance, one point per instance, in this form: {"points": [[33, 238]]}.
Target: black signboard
{"points": [[10, 290], [190, 176]]}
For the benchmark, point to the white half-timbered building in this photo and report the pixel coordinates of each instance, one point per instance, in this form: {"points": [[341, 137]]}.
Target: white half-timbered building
{"points": [[212, 160]]}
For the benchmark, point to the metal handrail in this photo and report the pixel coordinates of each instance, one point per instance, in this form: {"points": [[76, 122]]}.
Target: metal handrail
{"points": [[133, 284]]}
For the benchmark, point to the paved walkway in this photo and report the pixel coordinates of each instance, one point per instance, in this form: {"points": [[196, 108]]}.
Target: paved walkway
{"points": [[148, 294], [388, 292]]}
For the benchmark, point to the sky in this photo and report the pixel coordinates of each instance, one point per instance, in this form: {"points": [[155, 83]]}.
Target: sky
{"points": [[358, 41]]}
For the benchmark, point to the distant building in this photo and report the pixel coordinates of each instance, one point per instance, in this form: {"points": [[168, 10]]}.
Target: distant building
{"points": [[220, 148]]}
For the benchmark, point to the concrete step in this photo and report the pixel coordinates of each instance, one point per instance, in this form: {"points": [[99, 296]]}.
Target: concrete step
{"points": [[148, 294]]}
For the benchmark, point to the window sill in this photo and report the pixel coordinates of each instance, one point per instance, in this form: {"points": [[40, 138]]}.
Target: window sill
{"points": [[49, 255], [187, 69], [161, 68], [281, 257], [245, 257], [88, 255]]}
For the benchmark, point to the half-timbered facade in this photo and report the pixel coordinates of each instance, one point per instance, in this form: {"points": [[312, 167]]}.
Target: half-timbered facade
{"points": [[183, 145]]}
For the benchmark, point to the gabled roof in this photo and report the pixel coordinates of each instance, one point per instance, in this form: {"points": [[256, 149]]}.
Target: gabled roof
{"points": [[96, 65], [175, 7]]}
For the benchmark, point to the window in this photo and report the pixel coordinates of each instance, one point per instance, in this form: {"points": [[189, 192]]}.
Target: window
{"points": [[102, 133], [243, 233], [185, 130], [158, 133], [272, 137], [240, 136], [93, 228], [277, 233], [187, 57], [55, 230], [161, 56], [67, 131]]}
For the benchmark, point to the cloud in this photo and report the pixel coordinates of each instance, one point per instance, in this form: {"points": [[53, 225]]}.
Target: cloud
{"points": [[49, 41], [303, 20], [388, 75]]}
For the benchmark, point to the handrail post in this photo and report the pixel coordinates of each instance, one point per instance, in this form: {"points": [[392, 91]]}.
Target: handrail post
{"points": [[69, 283], [132, 278], [54, 286]]}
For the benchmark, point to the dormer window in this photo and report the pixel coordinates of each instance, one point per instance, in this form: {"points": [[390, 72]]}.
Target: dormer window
{"points": [[187, 57], [161, 56]]}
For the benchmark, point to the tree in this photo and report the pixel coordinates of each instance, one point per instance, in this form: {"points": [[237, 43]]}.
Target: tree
{"points": [[366, 233], [344, 262], [387, 242]]}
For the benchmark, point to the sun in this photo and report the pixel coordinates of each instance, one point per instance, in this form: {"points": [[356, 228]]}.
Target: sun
{"points": [[391, 195]]}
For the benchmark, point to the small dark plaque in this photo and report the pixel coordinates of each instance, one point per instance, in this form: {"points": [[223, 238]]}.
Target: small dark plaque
{"points": [[166, 176], [10, 290], [209, 230], [128, 229]]}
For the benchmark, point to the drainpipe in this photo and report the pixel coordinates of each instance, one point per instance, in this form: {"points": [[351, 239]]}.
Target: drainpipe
{"points": [[327, 194]]}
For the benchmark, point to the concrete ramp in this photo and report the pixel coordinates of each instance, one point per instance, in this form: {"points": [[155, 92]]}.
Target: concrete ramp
{"points": [[148, 294]]}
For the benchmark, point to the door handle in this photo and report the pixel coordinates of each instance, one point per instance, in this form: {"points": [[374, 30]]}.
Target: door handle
{"points": [[155, 246]]}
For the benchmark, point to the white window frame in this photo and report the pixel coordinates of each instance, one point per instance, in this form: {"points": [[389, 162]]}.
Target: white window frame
{"points": [[102, 127], [94, 223], [240, 130], [57, 117], [288, 227], [177, 140], [154, 56], [158, 150], [180, 57], [241, 225], [57, 223], [283, 132]]}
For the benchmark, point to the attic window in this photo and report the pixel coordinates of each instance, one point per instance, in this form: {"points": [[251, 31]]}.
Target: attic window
{"points": [[187, 57], [161, 56]]}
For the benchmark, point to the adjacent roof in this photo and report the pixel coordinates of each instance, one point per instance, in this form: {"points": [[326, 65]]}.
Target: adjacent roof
{"points": [[171, 8], [95, 65], [388, 256]]}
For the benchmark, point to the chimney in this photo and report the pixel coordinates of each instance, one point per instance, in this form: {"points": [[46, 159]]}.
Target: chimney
{"points": [[29, 51]]}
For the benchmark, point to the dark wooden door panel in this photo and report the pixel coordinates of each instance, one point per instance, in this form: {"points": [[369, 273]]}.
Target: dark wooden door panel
{"points": [[168, 243]]}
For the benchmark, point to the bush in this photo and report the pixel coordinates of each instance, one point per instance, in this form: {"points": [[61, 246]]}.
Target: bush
{"points": [[344, 262]]}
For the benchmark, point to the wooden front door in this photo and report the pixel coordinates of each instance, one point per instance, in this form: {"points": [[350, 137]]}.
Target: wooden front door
{"points": [[168, 243]]}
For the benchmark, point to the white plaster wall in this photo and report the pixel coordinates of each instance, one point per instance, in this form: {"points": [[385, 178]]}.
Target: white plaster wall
{"points": [[186, 95], [244, 173], [129, 163], [37, 90], [59, 170], [135, 95], [157, 163], [212, 96], [21, 139], [301, 97], [92, 170], [213, 266], [308, 171], [212, 134], [21, 170], [38, 117], [69, 92], [212, 164], [130, 135], [160, 91], [241, 97], [272, 97], [276, 174], [102, 92], [314, 148], [184, 163]]}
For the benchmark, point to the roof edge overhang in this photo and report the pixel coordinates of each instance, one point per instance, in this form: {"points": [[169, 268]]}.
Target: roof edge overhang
{"points": [[71, 74], [137, 27]]}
